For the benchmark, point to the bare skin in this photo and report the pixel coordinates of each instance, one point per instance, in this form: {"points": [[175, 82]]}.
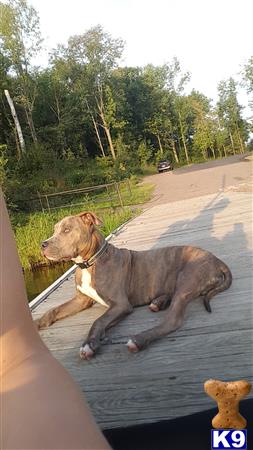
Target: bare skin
{"points": [[41, 406]]}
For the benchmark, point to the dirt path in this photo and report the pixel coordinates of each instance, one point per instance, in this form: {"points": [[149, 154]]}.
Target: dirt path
{"points": [[229, 174]]}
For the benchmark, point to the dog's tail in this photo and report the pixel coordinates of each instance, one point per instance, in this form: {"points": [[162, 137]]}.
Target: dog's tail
{"points": [[224, 284]]}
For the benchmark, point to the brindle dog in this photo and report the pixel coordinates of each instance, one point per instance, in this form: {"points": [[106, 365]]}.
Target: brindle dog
{"points": [[121, 279]]}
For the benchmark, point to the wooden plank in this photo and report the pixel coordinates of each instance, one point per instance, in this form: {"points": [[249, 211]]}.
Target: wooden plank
{"points": [[183, 234], [197, 321], [166, 380]]}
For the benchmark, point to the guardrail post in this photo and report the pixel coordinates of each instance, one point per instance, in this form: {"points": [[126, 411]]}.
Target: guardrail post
{"points": [[41, 204], [48, 206], [119, 194], [109, 197], [129, 187]]}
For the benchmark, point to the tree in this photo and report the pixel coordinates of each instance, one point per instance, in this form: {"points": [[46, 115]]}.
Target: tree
{"points": [[8, 131], [21, 41], [98, 49], [106, 108], [178, 107], [248, 83], [16, 121], [203, 134], [248, 75], [87, 110], [229, 112], [165, 85], [183, 110], [94, 55]]}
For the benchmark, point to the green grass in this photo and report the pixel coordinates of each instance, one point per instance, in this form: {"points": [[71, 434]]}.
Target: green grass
{"points": [[31, 229]]}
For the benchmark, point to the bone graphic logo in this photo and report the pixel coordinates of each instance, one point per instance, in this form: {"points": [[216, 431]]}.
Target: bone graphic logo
{"points": [[229, 425], [228, 395]]}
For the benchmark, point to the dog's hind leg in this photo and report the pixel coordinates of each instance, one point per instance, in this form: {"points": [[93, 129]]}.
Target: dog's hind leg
{"points": [[160, 303], [73, 306], [172, 321], [220, 282]]}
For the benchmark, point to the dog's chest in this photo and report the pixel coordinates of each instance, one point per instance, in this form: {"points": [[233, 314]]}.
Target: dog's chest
{"points": [[87, 289]]}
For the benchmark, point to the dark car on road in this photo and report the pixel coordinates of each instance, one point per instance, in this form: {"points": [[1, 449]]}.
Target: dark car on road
{"points": [[164, 165]]}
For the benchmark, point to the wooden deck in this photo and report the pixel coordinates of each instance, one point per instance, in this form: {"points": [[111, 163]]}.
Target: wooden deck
{"points": [[165, 381]]}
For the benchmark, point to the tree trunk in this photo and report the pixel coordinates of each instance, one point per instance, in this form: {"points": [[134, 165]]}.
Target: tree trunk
{"points": [[232, 142], [183, 139], [174, 150], [96, 130], [57, 112], [17, 143], [241, 142], [98, 136], [28, 103], [29, 118], [108, 135], [173, 144], [160, 144], [57, 109], [240, 139], [223, 146], [100, 105], [16, 121], [220, 152]]}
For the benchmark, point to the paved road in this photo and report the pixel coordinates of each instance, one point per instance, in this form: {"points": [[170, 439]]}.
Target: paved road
{"points": [[229, 174]]}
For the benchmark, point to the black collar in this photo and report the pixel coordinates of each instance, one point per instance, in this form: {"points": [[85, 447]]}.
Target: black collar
{"points": [[92, 260]]}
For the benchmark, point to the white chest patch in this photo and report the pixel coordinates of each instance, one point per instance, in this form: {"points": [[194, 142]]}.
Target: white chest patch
{"points": [[87, 289]]}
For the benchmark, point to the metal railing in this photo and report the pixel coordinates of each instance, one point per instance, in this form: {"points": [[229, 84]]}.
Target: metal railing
{"points": [[111, 192]]}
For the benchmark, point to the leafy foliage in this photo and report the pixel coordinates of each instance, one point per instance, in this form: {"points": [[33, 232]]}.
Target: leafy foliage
{"points": [[87, 120]]}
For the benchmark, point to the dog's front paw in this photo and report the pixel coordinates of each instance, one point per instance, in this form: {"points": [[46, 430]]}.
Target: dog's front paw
{"points": [[86, 352], [43, 322], [37, 324], [153, 307], [46, 320], [132, 346]]}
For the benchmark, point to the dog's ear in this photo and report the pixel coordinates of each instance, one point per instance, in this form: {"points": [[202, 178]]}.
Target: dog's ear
{"points": [[90, 218]]}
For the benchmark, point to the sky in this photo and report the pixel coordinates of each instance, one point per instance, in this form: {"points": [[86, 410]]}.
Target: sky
{"points": [[212, 39]]}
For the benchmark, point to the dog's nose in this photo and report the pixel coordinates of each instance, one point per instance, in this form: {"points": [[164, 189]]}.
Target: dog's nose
{"points": [[44, 244]]}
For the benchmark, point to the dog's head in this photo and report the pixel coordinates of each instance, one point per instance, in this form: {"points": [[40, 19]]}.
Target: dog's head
{"points": [[72, 237]]}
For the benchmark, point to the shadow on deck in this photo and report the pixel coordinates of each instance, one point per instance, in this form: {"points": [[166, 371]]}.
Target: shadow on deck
{"points": [[165, 381]]}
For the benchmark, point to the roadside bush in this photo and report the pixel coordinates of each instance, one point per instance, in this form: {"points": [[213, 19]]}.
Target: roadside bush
{"points": [[75, 178], [36, 159], [126, 163], [105, 168], [144, 154]]}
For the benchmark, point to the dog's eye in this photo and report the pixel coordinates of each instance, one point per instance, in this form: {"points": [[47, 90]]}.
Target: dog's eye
{"points": [[66, 230]]}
